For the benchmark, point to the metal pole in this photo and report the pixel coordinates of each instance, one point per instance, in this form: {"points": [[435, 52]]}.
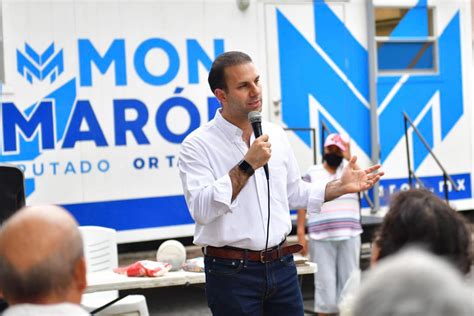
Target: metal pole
{"points": [[427, 146], [408, 151], [374, 119], [313, 131], [445, 185], [323, 138]]}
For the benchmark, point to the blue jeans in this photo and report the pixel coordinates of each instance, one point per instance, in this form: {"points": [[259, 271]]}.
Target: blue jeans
{"points": [[242, 287]]}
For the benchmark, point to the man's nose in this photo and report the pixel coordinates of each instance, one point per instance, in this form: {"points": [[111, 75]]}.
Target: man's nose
{"points": [[254, 89]]}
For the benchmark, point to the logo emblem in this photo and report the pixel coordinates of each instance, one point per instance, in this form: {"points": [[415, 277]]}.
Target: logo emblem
{"points": [[31, 64]]}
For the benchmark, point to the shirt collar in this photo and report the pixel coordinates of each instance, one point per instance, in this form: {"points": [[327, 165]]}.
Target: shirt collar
{"points": [[229, 129]]}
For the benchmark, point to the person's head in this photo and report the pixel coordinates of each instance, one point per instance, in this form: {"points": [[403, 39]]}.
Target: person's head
{"points": [[413, 282], [41, 257], [333, 151], [235, 82], [419, 217]]}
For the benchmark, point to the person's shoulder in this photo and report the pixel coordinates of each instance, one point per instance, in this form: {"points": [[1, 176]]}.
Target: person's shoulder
{"points": [[45, 309], [199, 133], [272, 124], [316, 168], [272, 127], [313, 172], [275, 131]]}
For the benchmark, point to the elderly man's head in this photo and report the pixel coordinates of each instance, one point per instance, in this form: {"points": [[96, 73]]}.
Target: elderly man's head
{"points": [[41, 257], [413, 282]]}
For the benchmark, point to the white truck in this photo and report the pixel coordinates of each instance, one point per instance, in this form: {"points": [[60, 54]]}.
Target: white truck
{"points": [[98, 95]]}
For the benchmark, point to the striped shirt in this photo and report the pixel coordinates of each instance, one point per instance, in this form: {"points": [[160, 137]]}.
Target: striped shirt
{"points": [[338, 219]]}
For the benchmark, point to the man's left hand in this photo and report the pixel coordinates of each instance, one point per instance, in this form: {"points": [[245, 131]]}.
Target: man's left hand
{"points": [[353, 180]]}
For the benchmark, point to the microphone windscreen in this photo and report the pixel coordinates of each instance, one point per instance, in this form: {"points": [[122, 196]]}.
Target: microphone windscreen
{"points": [[255, 117]]}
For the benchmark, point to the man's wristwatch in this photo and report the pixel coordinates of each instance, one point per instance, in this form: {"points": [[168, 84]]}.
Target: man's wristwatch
{"points": [[246, 168]]}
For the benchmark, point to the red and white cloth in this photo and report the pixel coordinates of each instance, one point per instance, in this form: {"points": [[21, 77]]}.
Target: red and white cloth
{"points": [[144, 268]]}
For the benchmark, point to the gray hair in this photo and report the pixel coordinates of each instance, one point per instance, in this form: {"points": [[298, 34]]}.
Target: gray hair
{"points": [[414, 282]]}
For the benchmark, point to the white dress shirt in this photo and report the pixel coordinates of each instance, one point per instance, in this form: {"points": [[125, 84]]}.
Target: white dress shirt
{"points": [[208, 154]]}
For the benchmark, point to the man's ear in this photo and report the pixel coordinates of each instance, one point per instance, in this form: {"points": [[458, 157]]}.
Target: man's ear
{"points": [[375, 254], [80, 274], [220, 95]]}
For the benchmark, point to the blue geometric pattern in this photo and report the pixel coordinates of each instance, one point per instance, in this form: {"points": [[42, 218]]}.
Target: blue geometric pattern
{"points": [[40, 66], [414, 23], [404, 55], [425, 127], [343, 49], [63, 100], [418, 90], [314, 77]]}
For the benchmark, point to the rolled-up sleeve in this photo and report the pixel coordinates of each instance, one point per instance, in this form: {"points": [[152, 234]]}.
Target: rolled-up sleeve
{"points": [[302, 194], [316, 196], [207, 197]]}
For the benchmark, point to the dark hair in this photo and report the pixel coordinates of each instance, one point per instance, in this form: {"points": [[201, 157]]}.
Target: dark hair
{"points": [[417, 216], [216, 77]]}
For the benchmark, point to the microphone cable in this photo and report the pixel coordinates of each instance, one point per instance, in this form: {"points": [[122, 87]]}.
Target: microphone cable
{"points": [[266, 241], [255, 119]]}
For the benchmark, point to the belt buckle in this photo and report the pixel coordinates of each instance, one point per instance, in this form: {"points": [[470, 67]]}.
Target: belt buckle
{"points": [[264, 255]]}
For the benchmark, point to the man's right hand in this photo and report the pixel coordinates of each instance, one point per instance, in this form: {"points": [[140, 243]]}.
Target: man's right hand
{"points": [[258, 155], [259, 152], [303, 242], [301, 230]]}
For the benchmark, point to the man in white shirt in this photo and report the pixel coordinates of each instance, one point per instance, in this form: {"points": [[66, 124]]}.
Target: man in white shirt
{"points": [[42, 265], [227, 195]]}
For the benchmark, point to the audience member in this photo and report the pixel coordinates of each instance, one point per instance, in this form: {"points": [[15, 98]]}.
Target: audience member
{"points": [[42, 265], [419, 217], [416, 218], [414, 282]]}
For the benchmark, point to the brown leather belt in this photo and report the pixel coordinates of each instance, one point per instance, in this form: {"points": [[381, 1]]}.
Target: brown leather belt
{"points": [[270, 255]]}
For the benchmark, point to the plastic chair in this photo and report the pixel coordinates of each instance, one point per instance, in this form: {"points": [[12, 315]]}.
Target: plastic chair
{"points": [[100, 250], [12, 190]]}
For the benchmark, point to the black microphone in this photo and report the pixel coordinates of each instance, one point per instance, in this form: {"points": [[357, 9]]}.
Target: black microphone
{"points": [[255, 119]]}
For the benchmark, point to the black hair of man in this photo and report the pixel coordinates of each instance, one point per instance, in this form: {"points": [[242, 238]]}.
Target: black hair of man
{"points": [[216, 77]]}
